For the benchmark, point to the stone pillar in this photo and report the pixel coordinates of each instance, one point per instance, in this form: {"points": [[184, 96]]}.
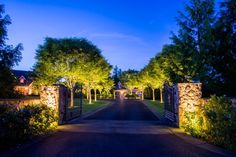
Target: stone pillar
{"points": [[188, 96], [55, 97]]}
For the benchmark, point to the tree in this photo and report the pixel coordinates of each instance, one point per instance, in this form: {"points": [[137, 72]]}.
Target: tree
{"points": [[105, 87], [108, 85], [193, 43], [129, 79], [154, 76], [158, 73], [99, 71], [116, 75], [141, 84], [9, 57], [171, 61], [223, 75], [64, 61]]}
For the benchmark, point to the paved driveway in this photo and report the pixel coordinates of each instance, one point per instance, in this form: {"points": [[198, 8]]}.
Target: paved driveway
{"points": [[125, 110], [125, 129]]}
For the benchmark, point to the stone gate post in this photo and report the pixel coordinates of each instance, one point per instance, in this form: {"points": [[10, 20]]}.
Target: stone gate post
{"points": [[55, 97], [187, 97]]}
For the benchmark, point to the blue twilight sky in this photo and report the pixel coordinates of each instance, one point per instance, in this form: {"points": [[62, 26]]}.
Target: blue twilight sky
{"points": [[129, 32]]}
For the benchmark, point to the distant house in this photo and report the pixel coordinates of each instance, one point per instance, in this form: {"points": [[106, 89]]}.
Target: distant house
{"points": [[24, 82]]}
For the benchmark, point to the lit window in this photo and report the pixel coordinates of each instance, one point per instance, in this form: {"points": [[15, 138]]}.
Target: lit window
{"points": [[22, 80]]}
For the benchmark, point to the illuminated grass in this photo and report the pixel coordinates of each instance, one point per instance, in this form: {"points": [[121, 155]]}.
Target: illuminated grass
{"points": [[94, 106], [89, 107], [156, 105]]}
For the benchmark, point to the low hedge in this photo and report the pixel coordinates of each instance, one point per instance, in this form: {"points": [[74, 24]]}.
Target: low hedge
{"points": [[214, 122], [19, 124], [131, 96]]}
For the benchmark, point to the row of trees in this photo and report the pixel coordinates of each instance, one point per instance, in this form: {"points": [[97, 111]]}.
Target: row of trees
{"points": [[203, 50], [151, 76], [72, 61]]}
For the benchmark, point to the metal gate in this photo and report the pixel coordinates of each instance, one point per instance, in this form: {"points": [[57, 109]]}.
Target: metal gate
{"points": [[76, 111], [171, 103]]}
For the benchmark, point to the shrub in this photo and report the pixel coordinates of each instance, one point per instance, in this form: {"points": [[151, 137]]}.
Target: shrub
{"points": [[220, 121], [41, 119], [193, 123], [131, 96], [214, 122], [17, 125]]}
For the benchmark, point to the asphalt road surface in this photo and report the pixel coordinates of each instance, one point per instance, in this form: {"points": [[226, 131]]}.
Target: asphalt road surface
{"points": [[125, 129], [125, 110]]}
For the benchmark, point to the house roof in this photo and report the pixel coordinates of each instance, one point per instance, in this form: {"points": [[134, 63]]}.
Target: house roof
{"points": [[21, 73]]}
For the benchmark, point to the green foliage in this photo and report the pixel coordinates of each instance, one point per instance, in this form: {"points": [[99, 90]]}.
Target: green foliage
{"points": [[222, 79], [19, 124], [66, 58], [70, 61], [7, 82], [157, 105], [42, 119], [186, 59], [193, 123], [105, 87], [9, 56], [220, 121], [116, 75], [94, 106], [204, 48], [129, 79], [131, 96], [215, 122], [153, 76]]}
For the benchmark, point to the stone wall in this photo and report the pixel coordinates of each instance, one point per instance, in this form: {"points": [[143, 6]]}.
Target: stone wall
{"points": [[49, 95], [55, 97], [189, 96], [21, 102], [181, 98]]}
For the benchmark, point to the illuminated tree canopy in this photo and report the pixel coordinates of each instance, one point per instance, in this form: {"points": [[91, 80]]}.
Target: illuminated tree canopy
{"points": [[70, 61]]}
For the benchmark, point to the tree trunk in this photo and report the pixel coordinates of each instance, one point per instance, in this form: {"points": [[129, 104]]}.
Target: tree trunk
{"points": [[142, 95], [161, 95], [87, 93], [100, 94], [153, 94], [95, 94], [72, 97], [114, 94], [90, 96]]}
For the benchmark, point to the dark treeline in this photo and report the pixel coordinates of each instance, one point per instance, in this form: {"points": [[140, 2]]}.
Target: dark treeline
{"points": [[204, 48], [9, 56]]}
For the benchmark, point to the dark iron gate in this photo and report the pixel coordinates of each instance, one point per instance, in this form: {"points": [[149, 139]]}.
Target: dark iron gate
{"points": [[76, 111], [171, 103]]}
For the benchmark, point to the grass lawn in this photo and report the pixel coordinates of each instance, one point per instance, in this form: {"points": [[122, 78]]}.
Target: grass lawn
{"points": [[94, 106], [156, 104], [90, 107]]}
